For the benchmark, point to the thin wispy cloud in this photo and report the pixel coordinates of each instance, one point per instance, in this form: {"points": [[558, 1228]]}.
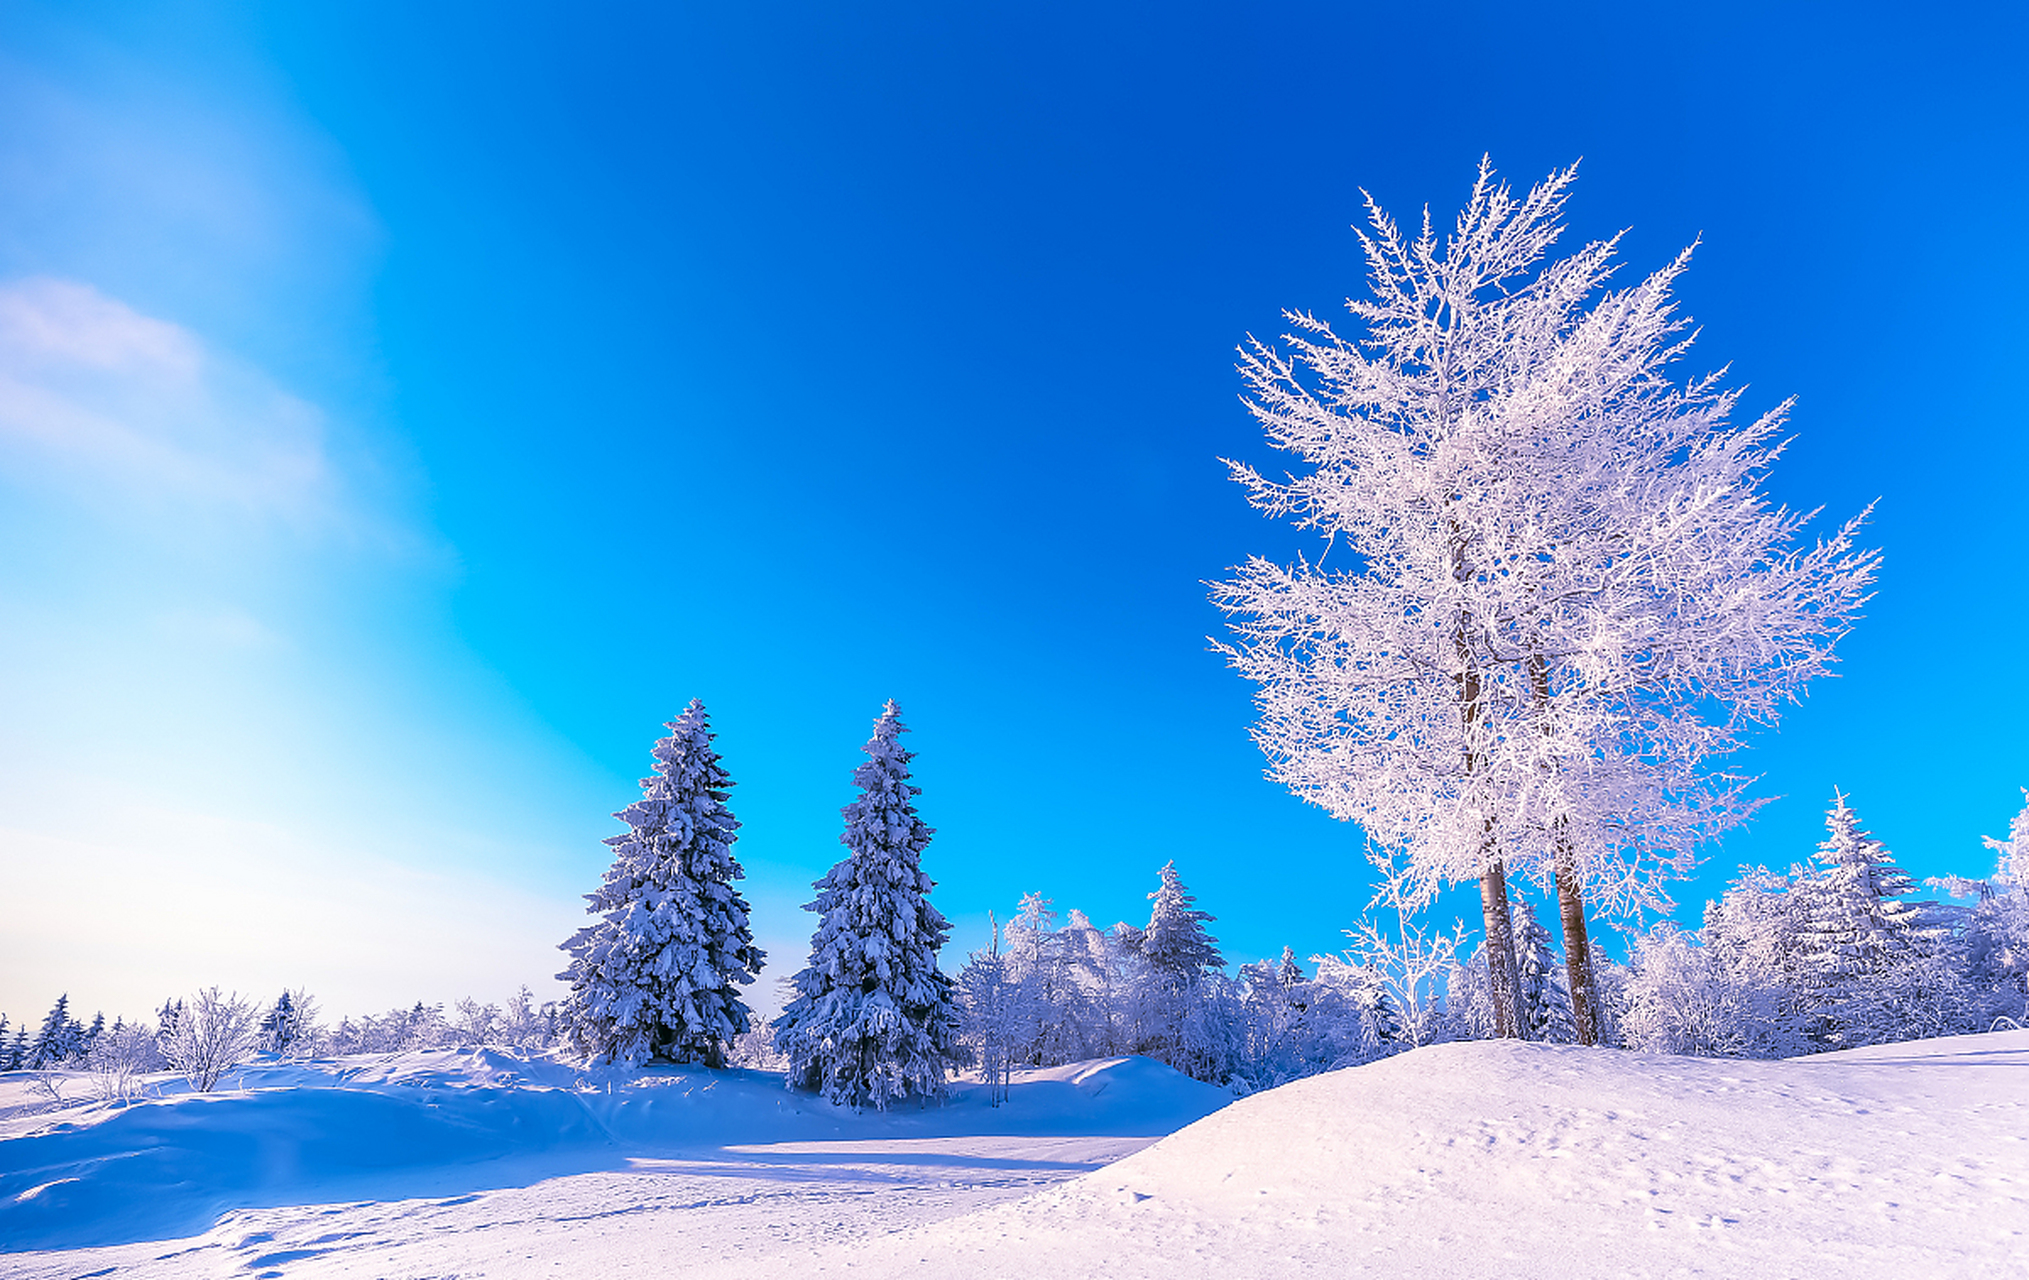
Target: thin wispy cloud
{"points": [[111, 403]]}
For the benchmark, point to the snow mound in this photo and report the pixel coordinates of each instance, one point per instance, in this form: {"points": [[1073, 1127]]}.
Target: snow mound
{"points": [[1514, 1159], [455, 1122]]}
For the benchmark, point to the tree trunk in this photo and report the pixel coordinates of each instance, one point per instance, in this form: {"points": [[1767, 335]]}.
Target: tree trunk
{"points": [[1503, 979], [1577, 945], [1570, 897]]}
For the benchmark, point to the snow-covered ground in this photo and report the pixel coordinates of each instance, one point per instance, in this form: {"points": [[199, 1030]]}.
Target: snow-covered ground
{"points": [[1459, 1160], [478, 1163]]}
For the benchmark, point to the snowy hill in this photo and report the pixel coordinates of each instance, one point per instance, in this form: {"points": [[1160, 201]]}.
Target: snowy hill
{"points": [[1458, 1160], [1509, 1159]]}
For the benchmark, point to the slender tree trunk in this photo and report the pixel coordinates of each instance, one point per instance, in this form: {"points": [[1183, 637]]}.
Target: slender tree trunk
{"points": [[1570, 897], [1503, 978], [1577, 945]]}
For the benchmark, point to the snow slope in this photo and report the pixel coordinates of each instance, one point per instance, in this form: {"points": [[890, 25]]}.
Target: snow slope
{"points": [[1525, 1160]]}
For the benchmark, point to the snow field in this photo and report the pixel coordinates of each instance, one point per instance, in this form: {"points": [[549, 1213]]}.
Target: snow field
{"points": [[480, 1163], [1464, 1159]]}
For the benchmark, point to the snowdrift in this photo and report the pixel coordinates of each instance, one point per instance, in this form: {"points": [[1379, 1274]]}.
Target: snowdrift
{"points": [[1537, 1160], [452, 1123]]}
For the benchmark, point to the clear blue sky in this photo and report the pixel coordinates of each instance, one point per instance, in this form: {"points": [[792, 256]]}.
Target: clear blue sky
{"points": [[405, 409]]}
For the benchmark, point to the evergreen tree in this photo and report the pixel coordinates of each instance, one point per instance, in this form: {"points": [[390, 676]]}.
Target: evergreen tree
{"points": [[1855, 923], [1861, 944], [286, 1027], [873, 1019], [6, 1061], [1546, 1008], [656, 975], [17, 1052], [1289, 973], [1174, 955], [60, 1039]]}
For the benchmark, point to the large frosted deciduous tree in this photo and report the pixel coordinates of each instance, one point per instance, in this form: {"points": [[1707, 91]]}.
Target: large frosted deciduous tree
{"points": [[658, 974], [1552, 593], [873, 1020]]}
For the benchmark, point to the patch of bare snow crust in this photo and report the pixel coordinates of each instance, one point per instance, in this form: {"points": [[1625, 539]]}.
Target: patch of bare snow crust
{"points": [[1457, 1160], [1518, 1160]]}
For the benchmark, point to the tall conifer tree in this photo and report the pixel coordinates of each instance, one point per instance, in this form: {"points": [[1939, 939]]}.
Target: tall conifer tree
{"points": [[656, 975], [873, 1020]]}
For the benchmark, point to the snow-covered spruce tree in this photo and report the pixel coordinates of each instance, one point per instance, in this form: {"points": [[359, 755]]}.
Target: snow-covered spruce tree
{"points": [[1559, 593], [1173, 959], [1857, 929], [873, 1021], [278, 1025], [657, 975], [1546, 1006], [60, 1039]]}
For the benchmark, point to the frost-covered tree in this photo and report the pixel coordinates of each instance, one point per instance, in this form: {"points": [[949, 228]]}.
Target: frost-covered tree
{"points": [[1171, 959], [212, 1035], [119, 1058], [1858, 932], [1060, 982], [523, 1025], [289, 1028], [1997, 934], [17, 1050], [1557, 593], [873, 1020], [992, 1019], [657, 975], [1679, 997]]}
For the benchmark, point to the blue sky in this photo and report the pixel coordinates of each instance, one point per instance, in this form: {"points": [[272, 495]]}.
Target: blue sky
{"points": [[403, 413]]}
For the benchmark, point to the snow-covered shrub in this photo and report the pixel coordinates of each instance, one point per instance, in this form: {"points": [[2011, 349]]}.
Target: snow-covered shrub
{"points": [[755, 1050], [118, 1059], [473, 1024], [873, 1019], [524, 1025], [657, 975], [399, 1030], [1679, 998], [213, 1034]]}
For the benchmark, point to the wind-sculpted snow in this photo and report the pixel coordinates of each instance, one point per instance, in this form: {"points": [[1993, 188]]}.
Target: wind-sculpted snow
{"points": [[451, 1123]]}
